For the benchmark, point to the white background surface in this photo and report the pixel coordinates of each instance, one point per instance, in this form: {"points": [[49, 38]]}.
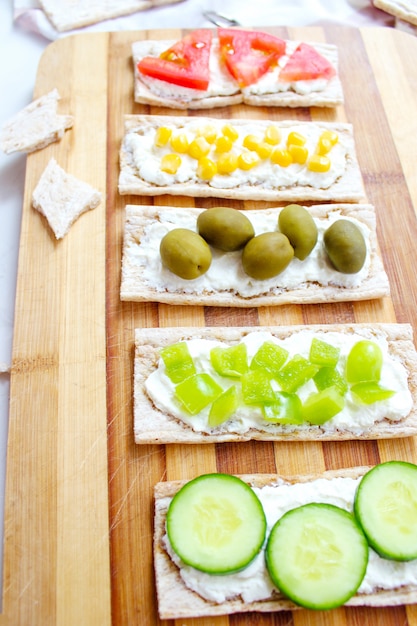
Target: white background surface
{"points": [[21, 45]]}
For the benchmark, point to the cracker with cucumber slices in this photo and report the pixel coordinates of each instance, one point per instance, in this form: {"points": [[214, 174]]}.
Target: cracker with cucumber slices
{"points": [[187, 591], [239, 159], [311, 280], [274, 383]]}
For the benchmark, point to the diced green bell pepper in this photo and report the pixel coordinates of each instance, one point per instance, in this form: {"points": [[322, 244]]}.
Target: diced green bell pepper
{"points": [[256, 387], [295, 373], [196, 392], [178, 361], [371, 392], [330, 377], [285, 409], [270, 357], [231, 361], [323, 353], [322, 406], [223, 407]]}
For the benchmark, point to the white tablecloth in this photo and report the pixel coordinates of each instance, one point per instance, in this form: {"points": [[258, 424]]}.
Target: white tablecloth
{"points": [[24, 34]]}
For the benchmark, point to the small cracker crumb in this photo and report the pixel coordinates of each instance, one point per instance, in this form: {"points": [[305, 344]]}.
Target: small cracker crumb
{"points": [[62, 198], [35, 126]]}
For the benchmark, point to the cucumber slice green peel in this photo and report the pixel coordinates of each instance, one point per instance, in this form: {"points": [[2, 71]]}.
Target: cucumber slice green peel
{"points": [[216, 524], [386, 507], [317, 555]]}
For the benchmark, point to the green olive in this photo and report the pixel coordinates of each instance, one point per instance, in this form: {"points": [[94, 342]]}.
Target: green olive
{"points": [[345, 246], [296, 223], [225, 228], [185, 253], [267, 255]]}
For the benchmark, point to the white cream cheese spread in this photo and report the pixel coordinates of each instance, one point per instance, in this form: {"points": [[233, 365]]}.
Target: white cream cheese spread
{"points": [[253, 583], [354, 417], [145, 158], [226, 272]]}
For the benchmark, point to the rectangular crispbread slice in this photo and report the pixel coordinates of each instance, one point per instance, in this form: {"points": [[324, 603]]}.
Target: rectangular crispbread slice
{"points": [[144, 278], [144, 93], [69, 14], [401, 9], [348, 187], [176, 601], [152, 425]]}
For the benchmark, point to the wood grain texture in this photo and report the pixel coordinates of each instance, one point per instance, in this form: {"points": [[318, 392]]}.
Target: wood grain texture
{"points": [[79, 505]]}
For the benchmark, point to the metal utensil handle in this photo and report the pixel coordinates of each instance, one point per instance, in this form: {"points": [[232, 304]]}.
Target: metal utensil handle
{"points": [[220, 20]]}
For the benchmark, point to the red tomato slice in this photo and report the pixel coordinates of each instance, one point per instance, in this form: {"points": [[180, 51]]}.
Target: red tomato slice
{"points": [[248, 55], [306, 64], [185, 64]]}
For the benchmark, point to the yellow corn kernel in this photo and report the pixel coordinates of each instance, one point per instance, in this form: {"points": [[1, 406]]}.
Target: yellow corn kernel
{"points": [[227, 163], [330, 135], [327, 140], [264, 149], [318, 163], [223, 144], [230, 131], [247, 160], [299, 153], [282, 157], [251, 142], [198, 148], [272, 135], [295, 139], [323, 146], [180, 142], [162, 136], [208, 132], [206, 168], [170, 163]]}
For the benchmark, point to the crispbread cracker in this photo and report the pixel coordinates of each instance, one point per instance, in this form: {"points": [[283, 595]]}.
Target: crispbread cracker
{"points": [[402, 9], [35, 126], [176, 601], [62, 198], [136, 285], [348, 187], [330, 96], [151, 425], [69, 14]]}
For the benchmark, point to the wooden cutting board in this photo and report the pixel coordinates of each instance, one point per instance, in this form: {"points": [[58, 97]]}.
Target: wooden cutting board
{"points": [[78, 521]]}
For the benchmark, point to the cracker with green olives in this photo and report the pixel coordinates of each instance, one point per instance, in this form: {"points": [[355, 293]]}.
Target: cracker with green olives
{"points": [[212, 385], [166, 259], [241, 159]]}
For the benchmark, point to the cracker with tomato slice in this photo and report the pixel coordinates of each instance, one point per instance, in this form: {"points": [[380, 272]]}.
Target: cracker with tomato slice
{"points": [[157, 419], [176, 600], [202, 71], [208, 157]]}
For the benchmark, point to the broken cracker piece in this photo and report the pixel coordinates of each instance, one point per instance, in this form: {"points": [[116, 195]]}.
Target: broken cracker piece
{"points": [[35, 126], [62, 198]]}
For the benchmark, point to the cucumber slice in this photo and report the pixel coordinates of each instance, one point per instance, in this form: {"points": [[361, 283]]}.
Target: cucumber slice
{"points": [[317, 555], [216, 524], [386, 507]]}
